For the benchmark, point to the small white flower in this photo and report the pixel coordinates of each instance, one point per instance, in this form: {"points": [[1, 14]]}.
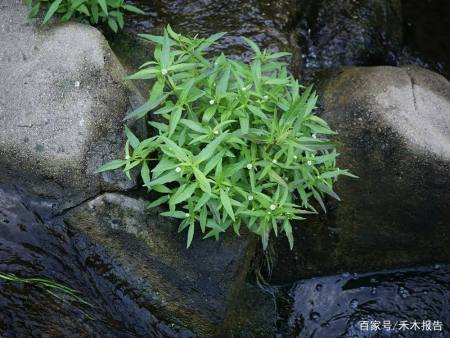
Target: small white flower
{"points": [[249, 166], [177, 169], [211, 102], [77, 84], [250, 197], [186, 214], [314, 136], [309, 162], [295, 157], [216, 132], [273, 207], [274, 161], [164, 71]]}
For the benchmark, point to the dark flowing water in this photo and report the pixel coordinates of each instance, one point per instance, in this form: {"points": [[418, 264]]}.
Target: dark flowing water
{"points": [[380, 304], [31, 245]]}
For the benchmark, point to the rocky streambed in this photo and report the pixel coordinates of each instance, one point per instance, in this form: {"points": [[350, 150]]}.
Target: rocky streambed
{"points": [[62, 101]]}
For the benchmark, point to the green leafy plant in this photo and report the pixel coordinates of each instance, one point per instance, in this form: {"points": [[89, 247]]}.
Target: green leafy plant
{"points": [[234, 144], [89, 11], [51, 287]]}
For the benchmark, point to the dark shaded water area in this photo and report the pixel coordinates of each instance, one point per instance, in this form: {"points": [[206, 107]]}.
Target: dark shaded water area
{"points": [[34, 243], [369, 305]]}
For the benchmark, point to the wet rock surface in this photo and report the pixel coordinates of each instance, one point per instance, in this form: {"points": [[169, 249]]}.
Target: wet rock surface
{"points": [[394, 133], [340, 33], [62, 101], [339, 306], [192, 288], [268, 23], [34, 245]]}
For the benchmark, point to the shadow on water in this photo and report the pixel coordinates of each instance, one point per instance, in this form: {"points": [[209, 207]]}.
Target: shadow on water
{"points": [[32, 244]]}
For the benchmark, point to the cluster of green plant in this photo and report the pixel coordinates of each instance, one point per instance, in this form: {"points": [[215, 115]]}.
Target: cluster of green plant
{"points": [[234, 144], [51, 287], [88, 11]]}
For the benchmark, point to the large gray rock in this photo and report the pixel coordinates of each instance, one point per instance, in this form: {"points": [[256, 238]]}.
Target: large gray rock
{"points": [[62, 101], [193, 287], [394, 133]]}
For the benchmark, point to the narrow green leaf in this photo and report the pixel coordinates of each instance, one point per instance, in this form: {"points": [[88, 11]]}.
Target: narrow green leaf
{"points": [[202, 180], [133, 9], [111, 165], [113, 25], [223, 83], [202, 201], [145, 108], [52, 9], [174, 119], [134, 141], [103, 6], [190, 235], [145, 173], [227, 204], [159, 201], [195, 126], [175, 214], [252, 45], [288, 231], [209, 150], [183, 193]]}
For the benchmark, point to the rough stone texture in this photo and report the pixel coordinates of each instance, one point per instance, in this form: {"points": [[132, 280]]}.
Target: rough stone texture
{"points": [[62, 101], [394, 133], [193, 288], [358, 32]]}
